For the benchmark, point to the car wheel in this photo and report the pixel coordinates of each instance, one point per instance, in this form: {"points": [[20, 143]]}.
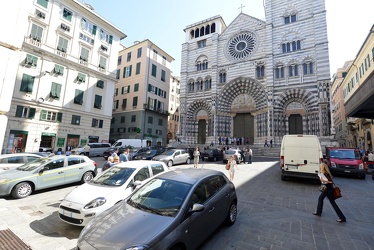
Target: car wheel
{"points": [[87, 177], [188, 161], [170, 163], [177, 247], [22, 190], [231, 216]]}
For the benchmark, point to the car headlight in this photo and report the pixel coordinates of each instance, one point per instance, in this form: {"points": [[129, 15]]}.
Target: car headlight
{"points": [[137, 248], [2, 181], [95, 203]]}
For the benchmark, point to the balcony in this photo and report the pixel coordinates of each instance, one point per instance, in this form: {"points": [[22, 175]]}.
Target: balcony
{"points": [[35, 41], [154, 109], [61, 52]]}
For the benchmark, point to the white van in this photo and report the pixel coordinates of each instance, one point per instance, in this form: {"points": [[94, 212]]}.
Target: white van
{"points": [[137, 143], [300, 156], [96, 149]]}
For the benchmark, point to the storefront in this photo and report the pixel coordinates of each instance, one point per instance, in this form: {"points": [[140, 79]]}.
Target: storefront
{"points": [[17, 141], [72, 141], [92, 139], [47, 142]]}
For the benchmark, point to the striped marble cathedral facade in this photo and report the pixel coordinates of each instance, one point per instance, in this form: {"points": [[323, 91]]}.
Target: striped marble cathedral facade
{"points": [[257, 79]]}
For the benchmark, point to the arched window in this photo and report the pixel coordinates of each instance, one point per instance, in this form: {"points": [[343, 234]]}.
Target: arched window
{"points": [[298, 45], [208, 84], [279, 72], [293, 45], [260, 71], [284, 49], [197, 33], [191, 87], [192, 33], [222, 77], [308, 68], [213, 28], [207, 29], [202, 29], [288, 47]]}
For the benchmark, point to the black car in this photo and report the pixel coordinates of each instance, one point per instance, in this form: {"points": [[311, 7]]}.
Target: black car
{"points": [[212, 155], [108, 152], [149, 154]]}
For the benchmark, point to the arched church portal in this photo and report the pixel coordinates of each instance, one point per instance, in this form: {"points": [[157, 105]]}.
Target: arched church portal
{"points": [[202, 117], [243, 119], [295, 111]]}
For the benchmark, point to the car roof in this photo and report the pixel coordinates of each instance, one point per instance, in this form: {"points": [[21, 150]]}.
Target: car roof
{"points": [[189, 175], [18, 154], [137, 164]]}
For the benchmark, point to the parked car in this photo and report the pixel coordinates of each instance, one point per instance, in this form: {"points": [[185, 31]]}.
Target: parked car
{"points": [[212, 155], [108, 188], [176, 210], [237, 153], [135, 151], [345, 161], [12, 161], [108, 152], [173, 157], [96, 149], [149, 154], [45, 173]]}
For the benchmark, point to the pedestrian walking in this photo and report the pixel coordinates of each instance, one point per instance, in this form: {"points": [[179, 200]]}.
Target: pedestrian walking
{"points": [[266, 143], [232, 164], [271, 143], [87, 149], [124, 157], [326, 179], [196, 156]]}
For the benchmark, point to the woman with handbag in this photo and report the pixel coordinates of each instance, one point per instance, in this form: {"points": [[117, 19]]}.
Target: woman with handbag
{"points": [[326, 179], [232, 164]]}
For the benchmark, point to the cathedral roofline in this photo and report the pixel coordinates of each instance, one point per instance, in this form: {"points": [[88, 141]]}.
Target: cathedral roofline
{"points": [[205, 21]]}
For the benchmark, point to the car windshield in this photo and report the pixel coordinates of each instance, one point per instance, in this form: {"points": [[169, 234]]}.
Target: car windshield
{"points": [[114, 176], [168, 152], [30, 166], [160, 196], [345, 154], [230, 152], [150, 152]]}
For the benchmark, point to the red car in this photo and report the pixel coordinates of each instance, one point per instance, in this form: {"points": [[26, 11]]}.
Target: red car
{"points": [[345, 161]]}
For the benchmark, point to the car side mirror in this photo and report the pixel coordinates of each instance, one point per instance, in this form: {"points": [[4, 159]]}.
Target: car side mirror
{"points": [[197, 207]]}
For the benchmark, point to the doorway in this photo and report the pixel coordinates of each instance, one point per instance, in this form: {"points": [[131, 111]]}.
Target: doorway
{"points": [[201, 136], [295, 124], [244, 126]]}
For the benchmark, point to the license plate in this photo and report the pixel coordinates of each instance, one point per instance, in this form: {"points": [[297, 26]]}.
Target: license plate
{"points": [[292, 167], [347, 171], [68, 214]]}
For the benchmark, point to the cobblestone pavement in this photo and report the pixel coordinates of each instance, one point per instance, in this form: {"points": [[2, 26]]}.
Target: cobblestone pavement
{"points": [[273, 214]]}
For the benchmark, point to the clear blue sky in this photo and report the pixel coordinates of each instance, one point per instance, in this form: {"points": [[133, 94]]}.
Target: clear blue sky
{"points": [[163, 21]]}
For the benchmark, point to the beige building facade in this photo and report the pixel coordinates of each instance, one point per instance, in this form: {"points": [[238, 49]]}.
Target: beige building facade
{"points": [[141, 97]]}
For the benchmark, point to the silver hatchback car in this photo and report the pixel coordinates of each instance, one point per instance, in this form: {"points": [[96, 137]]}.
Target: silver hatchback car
{"points": [[173, 156], [176, 210]]}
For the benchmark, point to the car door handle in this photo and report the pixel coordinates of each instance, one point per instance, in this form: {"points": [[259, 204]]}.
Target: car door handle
{"points": [[211, 210], [61, 172]]}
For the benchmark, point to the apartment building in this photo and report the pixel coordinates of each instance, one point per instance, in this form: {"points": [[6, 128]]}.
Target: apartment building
{"points": [[141, 97], [65, 77], [173, 123]]}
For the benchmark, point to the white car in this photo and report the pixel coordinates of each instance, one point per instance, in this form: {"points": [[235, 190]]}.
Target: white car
{"points": [[12, 161], [82, 204]]}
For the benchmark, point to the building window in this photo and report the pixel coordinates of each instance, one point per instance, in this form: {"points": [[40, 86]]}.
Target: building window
{"points": [[102, 63], [279, 72], [55, 91], [118, 74], [25, 112], [86, 38], [136, 87], [124, 103], [163, 75], [308, 68], [135, 101], [150, 119], [125, 90], [293, 70], [160, 121], [100, 84], [128, 56], [78, 99], [139, 52], [154, 70], [119, 60], [62, 44], [27, 83], [31, 60], [260, 71], [290, 19], [208, 84], [123, 118], [99, 123], [84, 54], [36, 32], [291, 46], [191, 87], [105, 37], [58, 70], [201, 44], [133, 118], [67, 14], [115, 104], [43, 3], [163, 60], [158, 132], [46, 115], [137, 68], [97, 103], [155, 55], [81, 77], [75, 119], [127, 71], [87, 26], [222, 77]]}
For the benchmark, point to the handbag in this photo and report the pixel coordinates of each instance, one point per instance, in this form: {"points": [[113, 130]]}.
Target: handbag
{"points": [[322, 187], [227, 166], [336, 192]]}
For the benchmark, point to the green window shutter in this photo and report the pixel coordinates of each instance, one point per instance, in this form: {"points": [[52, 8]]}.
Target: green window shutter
{"points": [[43, 115], [67, 14], [100, 84], [31, 113], [59, 70], [137, 68], [84, 54], [135, 101], [124, 72], [149, 87], [118, 73], [154, 69], [130, 70], [94, 28], [19, 111], [59, 117], [55, 90], [27, 83], [136, 87], [110, 39], [36, 32], [97, 103], [128, 89], [62, 44], [31, 60], [81, 77], [43, 3], [100, 123]]}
